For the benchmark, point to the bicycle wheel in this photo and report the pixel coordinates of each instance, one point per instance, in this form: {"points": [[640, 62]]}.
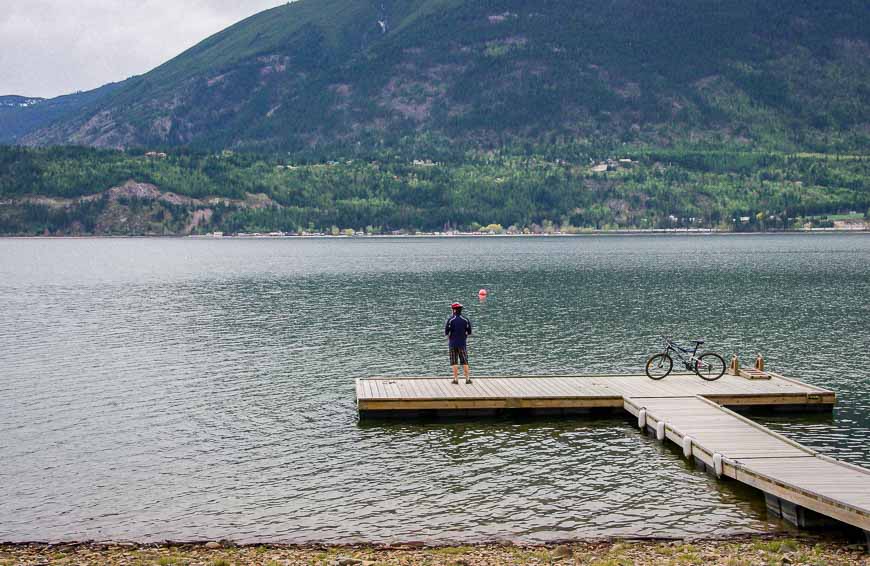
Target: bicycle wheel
{"points": [[710, 366], [659, 366]]}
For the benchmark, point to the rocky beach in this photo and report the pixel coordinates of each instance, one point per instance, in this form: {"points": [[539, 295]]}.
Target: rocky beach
{"points": [[809, 550]]}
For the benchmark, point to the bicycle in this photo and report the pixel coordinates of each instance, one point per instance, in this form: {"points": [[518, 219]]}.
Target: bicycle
{"points": [[709, 366]]}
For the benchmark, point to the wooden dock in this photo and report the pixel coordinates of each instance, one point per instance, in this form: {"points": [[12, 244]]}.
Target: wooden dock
{"points": [[792, 477], [799, 484], [400, 395]]}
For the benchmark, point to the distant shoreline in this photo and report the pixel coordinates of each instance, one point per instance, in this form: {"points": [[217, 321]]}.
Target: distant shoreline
{"points": [[638, 232], [421, 235]]}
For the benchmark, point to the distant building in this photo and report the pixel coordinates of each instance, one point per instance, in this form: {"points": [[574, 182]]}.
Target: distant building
{"points": [[856, 224]]}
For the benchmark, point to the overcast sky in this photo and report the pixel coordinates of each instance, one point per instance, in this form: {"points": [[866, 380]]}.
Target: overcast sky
{"points": [[53, 47]]}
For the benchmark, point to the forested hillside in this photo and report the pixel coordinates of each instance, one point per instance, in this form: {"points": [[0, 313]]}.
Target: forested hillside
{"points": [[65, 191], [332, 74]]}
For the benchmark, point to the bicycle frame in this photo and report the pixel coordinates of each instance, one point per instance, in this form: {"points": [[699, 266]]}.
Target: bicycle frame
{"points": [[671, 346]]}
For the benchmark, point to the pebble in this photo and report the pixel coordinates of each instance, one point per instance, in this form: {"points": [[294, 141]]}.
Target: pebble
{"points": [[212, 545], [561, 552], [346, 561]]}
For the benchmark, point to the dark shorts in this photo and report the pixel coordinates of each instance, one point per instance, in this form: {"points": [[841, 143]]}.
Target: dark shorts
{"points": [[458, 356]]}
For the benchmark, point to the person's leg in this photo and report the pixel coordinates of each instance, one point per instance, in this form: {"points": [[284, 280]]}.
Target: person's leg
{"points": [[467, 376], [463, 359], [455, 373], [454, 364]]}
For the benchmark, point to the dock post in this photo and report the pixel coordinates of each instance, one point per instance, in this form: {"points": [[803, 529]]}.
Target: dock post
{"points": [[660, 430], [734, 368], [687, 446], [796, 514], [772, 503], [759, 362]]}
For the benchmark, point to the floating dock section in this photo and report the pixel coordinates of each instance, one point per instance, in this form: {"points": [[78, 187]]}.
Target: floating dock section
{"points": [[404, 396], [800, 485], [793, 478]]}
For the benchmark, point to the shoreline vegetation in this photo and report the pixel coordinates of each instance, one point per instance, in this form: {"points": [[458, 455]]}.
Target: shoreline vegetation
{"points": [[734, 551], [544, 190]]}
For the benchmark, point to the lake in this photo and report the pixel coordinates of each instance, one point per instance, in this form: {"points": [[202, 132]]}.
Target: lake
{"points": [[185, 389]]}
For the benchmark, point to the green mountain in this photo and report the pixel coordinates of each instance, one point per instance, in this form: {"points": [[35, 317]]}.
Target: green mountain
{"points": [[333, 76]]}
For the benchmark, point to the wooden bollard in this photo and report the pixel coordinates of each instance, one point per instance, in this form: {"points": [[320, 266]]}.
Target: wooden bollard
{"points": [[734, 368], [759, 363]]}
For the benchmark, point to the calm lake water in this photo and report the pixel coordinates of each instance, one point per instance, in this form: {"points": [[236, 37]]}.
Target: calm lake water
{"points": [[158, 389]]}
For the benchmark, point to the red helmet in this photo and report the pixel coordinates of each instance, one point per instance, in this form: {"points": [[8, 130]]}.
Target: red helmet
{"points": [[456, 306]]}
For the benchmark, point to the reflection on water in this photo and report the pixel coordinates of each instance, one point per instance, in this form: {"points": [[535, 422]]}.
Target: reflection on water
{"points": [[184, 389]]}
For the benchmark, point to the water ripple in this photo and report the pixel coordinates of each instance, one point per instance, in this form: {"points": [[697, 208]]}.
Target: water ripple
{"points": [[178, 389]]}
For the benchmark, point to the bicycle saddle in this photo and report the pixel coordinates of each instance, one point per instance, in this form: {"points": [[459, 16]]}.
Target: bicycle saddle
{"points": [[698, 342]]}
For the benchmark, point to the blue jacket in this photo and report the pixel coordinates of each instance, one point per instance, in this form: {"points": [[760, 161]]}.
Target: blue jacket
{"points": [[457, 329]]}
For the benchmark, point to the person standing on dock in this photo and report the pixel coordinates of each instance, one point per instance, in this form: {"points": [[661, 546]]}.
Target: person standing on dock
{"points": [[457, 330]]}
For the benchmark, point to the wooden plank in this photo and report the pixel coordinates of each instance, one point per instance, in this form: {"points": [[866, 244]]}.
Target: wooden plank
{"points": [[402, 389], [376, 390], [429, 389], [545, 388], [499, 385], [556, 389], [435, 386], [390, 388], [485, 389], [523, 388], [440, 388]]}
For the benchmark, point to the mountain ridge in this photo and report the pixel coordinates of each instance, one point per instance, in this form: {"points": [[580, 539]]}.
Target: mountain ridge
{"points": [[22, 115]]}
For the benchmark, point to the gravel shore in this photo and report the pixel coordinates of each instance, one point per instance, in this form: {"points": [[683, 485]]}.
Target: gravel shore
{"points": [[751, 551]]}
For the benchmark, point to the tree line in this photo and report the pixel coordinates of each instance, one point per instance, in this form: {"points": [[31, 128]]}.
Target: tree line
{"points": [[417, 187]]}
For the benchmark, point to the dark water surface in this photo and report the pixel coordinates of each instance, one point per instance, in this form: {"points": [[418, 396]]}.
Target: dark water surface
{"points": [[187, 389]]}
